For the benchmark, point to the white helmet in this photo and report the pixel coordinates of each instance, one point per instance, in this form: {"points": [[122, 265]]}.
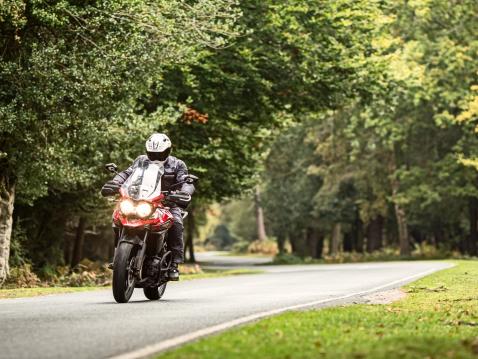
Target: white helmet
{"points": [[158, 147]]}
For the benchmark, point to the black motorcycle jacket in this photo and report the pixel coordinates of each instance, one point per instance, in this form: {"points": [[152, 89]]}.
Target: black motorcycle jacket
{"points": [[175, 171]]}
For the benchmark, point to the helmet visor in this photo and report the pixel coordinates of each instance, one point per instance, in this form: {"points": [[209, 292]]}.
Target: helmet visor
{"points": [[159, 156]]}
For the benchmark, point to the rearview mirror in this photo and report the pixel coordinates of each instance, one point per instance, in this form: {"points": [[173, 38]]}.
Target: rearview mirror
{"points": [[111, 167]]}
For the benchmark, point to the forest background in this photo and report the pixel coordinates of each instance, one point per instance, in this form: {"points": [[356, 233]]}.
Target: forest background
{"points": [[317, 128]]}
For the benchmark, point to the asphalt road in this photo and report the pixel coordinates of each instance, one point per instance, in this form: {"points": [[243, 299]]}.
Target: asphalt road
{"points": [[92, 325]]}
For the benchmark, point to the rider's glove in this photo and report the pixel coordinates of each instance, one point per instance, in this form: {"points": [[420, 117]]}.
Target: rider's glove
{"points": [[110, 188], [178, 198]]}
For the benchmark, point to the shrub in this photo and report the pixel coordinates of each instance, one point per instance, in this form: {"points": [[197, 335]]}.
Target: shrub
{"points": [[22, 277], [18, 255], [263, 247], [240, 247], [86, 274], [385, 254], [87, 279]]}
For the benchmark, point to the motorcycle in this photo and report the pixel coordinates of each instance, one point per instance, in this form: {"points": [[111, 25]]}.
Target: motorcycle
{"points": [[141, 220]]}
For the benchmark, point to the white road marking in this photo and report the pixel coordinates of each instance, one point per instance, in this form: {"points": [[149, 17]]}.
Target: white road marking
{"points": [[174, 342]]}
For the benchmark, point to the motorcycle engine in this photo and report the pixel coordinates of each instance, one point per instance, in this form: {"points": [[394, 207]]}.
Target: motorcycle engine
{"points": [[152, 267]]}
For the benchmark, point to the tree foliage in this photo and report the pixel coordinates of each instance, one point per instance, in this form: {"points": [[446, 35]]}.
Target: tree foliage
{"points": [[364, 111], [399, 153], [70, 77]]}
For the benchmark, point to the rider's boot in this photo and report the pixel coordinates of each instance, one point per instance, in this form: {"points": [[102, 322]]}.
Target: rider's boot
{"points": [[173, 272]]}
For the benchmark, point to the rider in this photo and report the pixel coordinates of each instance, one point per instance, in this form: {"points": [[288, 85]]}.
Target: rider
{"points": [[158, 149]]}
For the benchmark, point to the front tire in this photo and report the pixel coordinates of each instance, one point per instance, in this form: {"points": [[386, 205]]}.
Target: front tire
{"points": [[154, 293], [123, 275]]}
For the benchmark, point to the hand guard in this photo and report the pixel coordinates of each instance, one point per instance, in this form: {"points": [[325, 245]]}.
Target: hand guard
{"points": [[110, 188], [179, 198]]}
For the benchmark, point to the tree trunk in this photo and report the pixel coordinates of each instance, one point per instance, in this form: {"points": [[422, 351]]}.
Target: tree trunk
{"points": [[298, 243], [261, 229], [438, 236], [313, 242], [320, 246], [293, 243], [374, 234], [402, 230], [281, 243], [335, 239], [190, 236], [472, 244], [400, 214], [357, 233], [66, 249], [79, 240], [7, 198], [67, 245], [348, 245]]}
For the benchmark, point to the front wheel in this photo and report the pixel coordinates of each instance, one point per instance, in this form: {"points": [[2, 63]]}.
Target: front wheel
{"points": [[123, 272], [154, 293]]}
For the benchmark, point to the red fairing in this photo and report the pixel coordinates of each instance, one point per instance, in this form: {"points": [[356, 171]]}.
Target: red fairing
{"points": [[160, 220], [158, 199]]}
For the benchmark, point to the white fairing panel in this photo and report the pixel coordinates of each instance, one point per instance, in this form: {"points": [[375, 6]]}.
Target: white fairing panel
{"points": [[145, 181]]}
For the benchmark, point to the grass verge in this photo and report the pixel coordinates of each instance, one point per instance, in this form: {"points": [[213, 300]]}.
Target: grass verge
{"points": [[384, 255], [37, 291], [251, 255], [437, 319], [212, 273]]}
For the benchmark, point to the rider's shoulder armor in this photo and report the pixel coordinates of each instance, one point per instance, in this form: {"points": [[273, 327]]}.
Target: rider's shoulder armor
{"points": [[171, 167]]}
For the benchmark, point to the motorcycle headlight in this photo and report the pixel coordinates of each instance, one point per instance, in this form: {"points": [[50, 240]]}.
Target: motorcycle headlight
{"points": [[144, 209], [127, 207]]}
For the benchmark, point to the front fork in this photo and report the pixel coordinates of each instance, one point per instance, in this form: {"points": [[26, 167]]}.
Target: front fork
{"points": [[135, 240], [117, 233], [139, 260]]}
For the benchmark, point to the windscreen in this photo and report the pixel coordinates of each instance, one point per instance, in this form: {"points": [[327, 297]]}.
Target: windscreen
{"points": [[145, 181]]}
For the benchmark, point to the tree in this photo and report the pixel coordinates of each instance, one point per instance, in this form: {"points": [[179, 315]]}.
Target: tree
{"points": [[444, 41], [291, 58], [70, 76], [261, 229], [289, 189]]}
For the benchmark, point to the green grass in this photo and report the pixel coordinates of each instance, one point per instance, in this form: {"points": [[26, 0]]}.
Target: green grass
{"points": [[211, 273], [384, 255], [437, 319], [33, 292], [37, 291], [252, 255]]}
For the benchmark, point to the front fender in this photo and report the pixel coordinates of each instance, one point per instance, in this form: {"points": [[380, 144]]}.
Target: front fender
{"points": [[131, 237]]}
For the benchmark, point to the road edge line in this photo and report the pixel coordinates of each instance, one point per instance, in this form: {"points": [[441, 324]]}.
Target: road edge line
{"points": [[182, 339]]}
